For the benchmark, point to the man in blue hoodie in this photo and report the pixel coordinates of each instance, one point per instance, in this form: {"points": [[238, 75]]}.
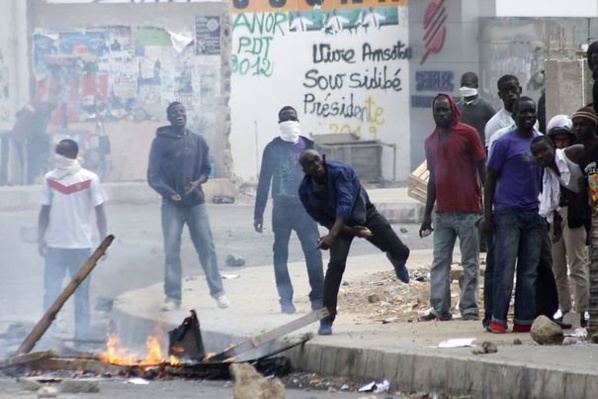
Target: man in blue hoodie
{"points": [[280, 167], [334, 197], [178, 166]]}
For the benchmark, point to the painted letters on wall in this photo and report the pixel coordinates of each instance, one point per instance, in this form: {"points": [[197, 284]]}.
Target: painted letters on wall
{"points": [[345, 69]]}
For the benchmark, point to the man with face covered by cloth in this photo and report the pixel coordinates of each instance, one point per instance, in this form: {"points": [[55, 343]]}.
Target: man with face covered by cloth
{"points": [[475, 111], [280, 168]]}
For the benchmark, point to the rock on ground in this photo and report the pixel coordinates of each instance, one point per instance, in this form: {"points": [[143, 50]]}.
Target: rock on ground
{"points": [[546, 332], [249, 384]]}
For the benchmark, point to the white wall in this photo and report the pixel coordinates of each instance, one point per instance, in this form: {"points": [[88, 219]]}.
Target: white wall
{"points": [[546, 8], [14, 76], [286, 77]]}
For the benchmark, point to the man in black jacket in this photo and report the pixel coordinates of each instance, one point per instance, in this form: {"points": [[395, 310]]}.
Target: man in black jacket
{"points": [[178, 166], [280, 167]]}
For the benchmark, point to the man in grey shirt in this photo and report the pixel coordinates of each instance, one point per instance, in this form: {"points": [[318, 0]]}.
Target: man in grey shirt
{"points": [[475, 111]]}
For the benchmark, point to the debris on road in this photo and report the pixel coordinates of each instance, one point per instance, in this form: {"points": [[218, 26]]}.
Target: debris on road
{"points": [[456, 343], [137, 381], [235, 260], [249, 384], [223, 199], [547, 332], [375, 387], [487, 347]]}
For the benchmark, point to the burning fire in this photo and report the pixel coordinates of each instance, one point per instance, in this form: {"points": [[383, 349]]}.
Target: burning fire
{"points": [[117, 353]]}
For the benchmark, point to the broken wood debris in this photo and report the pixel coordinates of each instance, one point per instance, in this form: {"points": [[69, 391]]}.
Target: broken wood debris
{"points": [[269, 336], [28, 358]]}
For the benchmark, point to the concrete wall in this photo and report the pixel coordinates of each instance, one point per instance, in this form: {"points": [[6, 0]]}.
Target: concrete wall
{"points": [[274, 66], [543, 8], [209, 75], [438, 64], [519, 46], [14, 79]]}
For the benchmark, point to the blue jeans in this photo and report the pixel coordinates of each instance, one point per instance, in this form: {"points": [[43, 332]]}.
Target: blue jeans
{"points": [[518, 240], [58, 262], [174, 217], [447, 227], [285, 219]]}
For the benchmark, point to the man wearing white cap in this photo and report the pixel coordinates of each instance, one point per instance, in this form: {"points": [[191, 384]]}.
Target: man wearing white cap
{"points": [[563, 200]]}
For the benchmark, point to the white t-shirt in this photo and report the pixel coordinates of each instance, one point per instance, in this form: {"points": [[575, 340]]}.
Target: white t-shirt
{"points": [[500, 120], [72, 200], [500, 124]]}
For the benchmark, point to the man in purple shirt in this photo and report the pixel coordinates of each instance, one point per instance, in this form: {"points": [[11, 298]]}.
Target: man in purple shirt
{"points": [[512, 188]]}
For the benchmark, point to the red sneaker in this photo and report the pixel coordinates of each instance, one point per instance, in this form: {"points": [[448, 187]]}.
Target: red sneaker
{"points": [[520, 328], [496, 328]]}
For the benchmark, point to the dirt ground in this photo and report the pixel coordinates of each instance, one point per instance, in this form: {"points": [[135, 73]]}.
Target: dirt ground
{"points": [[381, 298]]}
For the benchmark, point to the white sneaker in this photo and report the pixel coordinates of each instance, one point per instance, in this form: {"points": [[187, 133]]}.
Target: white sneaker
{"points": [[170, 305], [223, 302]]}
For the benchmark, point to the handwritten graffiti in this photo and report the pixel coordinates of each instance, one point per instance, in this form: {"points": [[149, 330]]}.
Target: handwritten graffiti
{"points": [[252, 42], [370, 79], [373, 119]]}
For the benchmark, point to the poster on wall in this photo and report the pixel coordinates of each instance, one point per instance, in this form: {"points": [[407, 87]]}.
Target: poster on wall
{"points": [[207, 35], [118, 72]]}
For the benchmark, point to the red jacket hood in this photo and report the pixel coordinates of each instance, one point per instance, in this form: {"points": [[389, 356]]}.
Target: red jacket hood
{"points": [[454, 108]]}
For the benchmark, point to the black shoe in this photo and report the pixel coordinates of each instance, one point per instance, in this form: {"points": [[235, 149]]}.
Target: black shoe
{"points": [[564, 326], [470, 317], [583, 323], [431, 316]]}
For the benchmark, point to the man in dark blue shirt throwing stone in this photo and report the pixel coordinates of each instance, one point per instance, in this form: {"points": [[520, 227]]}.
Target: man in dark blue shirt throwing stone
{"points": [[333, 196]]}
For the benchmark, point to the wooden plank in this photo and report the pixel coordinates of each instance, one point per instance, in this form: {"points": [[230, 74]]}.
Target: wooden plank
{"points": [[81, 364], [271, 335], [28, 358], [44, 323]]}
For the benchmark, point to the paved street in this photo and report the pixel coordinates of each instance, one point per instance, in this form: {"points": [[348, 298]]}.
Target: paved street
{"points": [[110, 389], [135, 259]]}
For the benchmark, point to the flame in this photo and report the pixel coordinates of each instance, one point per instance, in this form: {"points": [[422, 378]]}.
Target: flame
{"points": [[117, 353]]}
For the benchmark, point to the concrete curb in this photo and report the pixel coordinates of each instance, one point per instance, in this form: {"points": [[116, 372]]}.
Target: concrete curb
{"points": [[408, 371], [483, 377]]}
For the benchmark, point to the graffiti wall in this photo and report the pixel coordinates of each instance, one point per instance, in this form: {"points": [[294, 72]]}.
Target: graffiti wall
{"points": [[344, 65]]}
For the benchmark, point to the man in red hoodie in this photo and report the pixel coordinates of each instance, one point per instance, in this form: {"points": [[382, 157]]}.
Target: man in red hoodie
{"points": [[455, 156]]}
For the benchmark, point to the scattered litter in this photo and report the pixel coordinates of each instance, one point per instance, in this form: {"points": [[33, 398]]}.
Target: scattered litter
{"points": [[390, 320], [487, 347], [137, 381], [373, 298], [376, 387], [235, 261], [224, 199], [456, 343], [229, 276], [517, 341], [403, 230], [579, 332]]}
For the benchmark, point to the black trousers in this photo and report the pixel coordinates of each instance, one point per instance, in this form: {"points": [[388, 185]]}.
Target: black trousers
{"points": [[384, 238], [547, 296]]}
